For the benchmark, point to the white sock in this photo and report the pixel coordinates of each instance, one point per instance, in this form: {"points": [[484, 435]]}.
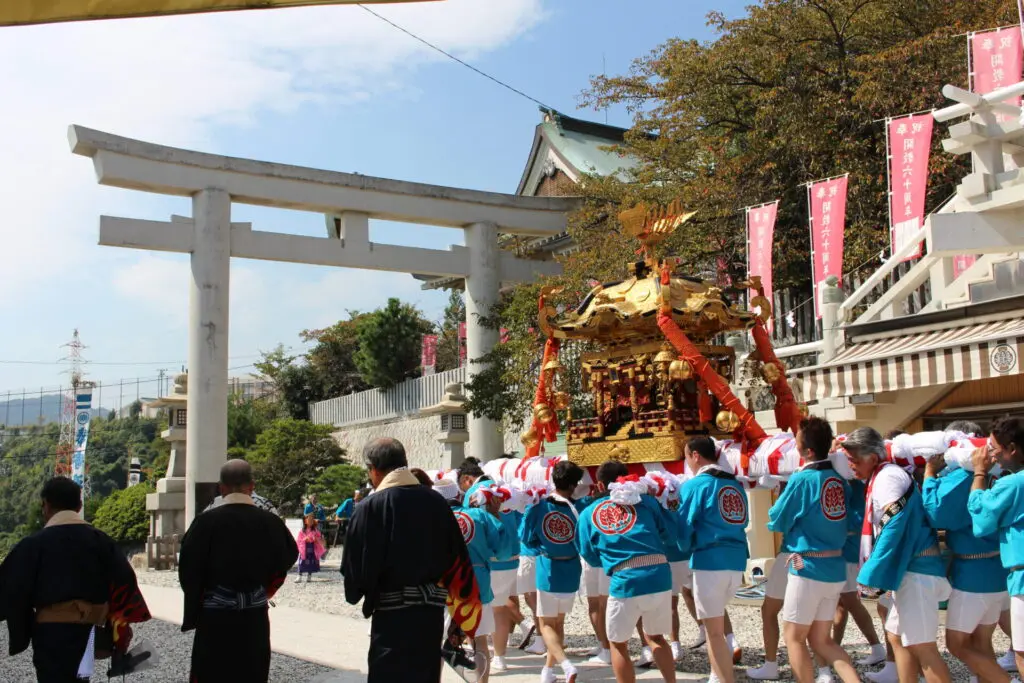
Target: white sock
{"points": [[567, 667], [731, 640]]}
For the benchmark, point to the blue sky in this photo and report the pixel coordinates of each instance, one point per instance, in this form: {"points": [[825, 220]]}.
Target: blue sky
{"points": [[329, 88]]}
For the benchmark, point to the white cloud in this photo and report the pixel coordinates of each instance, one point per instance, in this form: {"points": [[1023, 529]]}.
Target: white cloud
{"points": [[179, 81]]}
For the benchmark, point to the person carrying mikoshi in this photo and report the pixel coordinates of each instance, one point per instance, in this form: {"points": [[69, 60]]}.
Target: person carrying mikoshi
{"points": [[626, 533], [549, 528], [900, 553], [1000, 510], [712, 524], [977, 575], [811, 512]]}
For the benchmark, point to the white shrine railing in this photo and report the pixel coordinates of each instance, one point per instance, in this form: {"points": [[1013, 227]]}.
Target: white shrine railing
{"points": [[407, 398]]}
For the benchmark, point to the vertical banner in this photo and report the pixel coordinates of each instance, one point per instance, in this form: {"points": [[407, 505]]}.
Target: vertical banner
{"points": [[83, 414], [827, 200], [909, 142], [462, 344], [996, 61], [760, 237], [428, 356]]}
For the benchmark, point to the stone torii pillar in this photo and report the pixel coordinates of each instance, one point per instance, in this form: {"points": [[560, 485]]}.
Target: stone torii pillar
{"points": [[348, 202]]}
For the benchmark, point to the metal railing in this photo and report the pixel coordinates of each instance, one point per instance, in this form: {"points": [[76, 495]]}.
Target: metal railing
{"points": [[407, 398]]}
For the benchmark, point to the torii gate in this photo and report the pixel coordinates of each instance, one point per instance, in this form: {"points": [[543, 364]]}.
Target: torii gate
{"points": [[348, 201]]}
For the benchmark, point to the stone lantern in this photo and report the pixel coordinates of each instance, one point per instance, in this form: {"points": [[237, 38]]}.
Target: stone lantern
{"points": [[452, 433], [167, 505]]}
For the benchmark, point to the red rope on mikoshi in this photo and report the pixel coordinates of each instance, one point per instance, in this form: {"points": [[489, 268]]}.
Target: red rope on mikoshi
{"points": [[544, 431], [787, 413]]}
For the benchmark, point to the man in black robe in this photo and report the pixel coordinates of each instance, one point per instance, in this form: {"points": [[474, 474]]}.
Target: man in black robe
{"points": [[404, 558], [232, 561], [64, 585]]}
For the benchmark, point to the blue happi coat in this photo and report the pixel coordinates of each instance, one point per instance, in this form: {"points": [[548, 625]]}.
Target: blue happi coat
{"points": [[484, 535], [854, 520], [507, 557], [582, 504], [811, 512], [611, 533], [483, 481], [945, 503], [899, 543], [549, 529], [1000, 510], [712, 521]]}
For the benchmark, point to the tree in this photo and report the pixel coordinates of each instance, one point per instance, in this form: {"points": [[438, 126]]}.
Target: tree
{"points": [[448, 342], [247, 418], [338, 482], [793, 91], [332, 357], [390, 342], [123, 516], [289, 456]]}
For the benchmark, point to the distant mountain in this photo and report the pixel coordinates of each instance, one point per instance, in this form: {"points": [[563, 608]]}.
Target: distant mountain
{"points": [[34, 410]]}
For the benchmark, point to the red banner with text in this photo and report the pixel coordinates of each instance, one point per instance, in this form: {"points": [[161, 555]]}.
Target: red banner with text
{"points": [[827, 200], [910, 145], [760, 237], [997, 60], [462, 344], [428, 357]]}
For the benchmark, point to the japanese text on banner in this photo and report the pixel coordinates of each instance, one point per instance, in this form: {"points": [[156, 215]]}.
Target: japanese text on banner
{"points": [[428, 358], [83, 415], [760, 237], [910, 144], [997, 61], [828, 221]]}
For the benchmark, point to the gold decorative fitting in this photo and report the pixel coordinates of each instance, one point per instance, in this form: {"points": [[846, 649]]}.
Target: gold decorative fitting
{"points": [[529, 438], [771, 373], [766, 308], [543, 413], [804, 410], [727, 421], [680, 370], [561, 400], [553, 365], [665, 356]]}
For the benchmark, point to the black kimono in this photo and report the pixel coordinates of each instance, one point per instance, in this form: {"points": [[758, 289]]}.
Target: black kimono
{"points": [[68, 560], [404, 554], [232, 561]]}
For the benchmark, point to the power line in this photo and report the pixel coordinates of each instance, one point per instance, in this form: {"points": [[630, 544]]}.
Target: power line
{"points": [[456, 59], [124, 363]]}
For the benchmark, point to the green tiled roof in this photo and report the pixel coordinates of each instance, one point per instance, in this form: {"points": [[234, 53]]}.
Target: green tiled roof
{"points": [[586, 152]]}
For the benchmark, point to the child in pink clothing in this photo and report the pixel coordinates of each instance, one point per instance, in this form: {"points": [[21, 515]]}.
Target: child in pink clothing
{"points": [[311, 548]]}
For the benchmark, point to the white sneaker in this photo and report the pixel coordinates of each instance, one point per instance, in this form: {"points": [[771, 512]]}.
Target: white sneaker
{"points": [[548, 675], [498, 664], [537, 647], [702, 637], [298, 579], [1008, 662], [769, 671], [713, 678], [824, 675], [974, 679], [569, 671], [886, 675], [603, 657], [677, 650], [594, 651], [876, 656]]}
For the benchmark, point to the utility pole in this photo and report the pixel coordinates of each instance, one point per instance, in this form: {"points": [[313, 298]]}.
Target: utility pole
{"points": [[160, 383]]}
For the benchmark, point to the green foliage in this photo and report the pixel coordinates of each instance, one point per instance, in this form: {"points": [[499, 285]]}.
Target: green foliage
{"points": [[390, 342], [448, 342], [123, 516], [288, 457], [336, 483], [247, 418], [789, 93], [332, 358]]}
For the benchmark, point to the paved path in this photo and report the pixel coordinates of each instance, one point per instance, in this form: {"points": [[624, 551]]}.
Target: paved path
{"points": [[341, 643]]}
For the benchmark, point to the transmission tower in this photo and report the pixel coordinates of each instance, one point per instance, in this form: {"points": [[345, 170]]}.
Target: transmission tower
{"points": [[66, 444]]}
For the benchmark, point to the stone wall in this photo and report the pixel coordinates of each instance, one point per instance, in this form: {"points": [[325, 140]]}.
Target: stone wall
{"points": [[417, 434]]}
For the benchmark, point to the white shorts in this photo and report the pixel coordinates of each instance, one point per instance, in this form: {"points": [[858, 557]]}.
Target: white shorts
{"points": [[623, 613], [967, 611], [682, 576], [808, 600], [885, 600], [554, 604], [503, 585], [595, 581], [1017, 622], [914, 616], [486, 626], [852, 569], [712, 591], [526, 575], [778, 577]]}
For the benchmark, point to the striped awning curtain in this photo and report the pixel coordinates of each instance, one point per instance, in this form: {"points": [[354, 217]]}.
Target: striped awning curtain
{"points": [[22, 12], [915, 360]]}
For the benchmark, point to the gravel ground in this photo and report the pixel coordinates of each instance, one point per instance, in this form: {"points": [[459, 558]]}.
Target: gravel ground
{"points": [[325, 594], [174, 648]]}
